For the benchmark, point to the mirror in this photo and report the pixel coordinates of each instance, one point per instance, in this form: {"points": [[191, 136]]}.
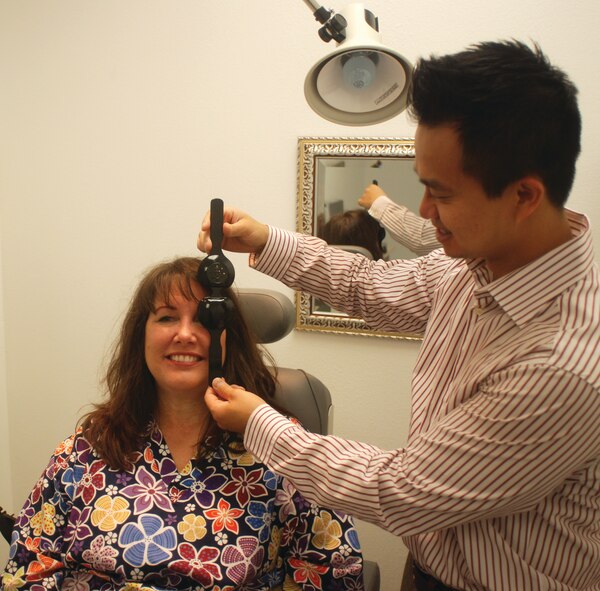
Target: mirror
{"points": [[332, 174]]}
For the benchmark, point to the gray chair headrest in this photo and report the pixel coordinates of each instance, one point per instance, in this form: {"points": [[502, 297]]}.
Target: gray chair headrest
{"points": [[306, 398], [270, 315]]}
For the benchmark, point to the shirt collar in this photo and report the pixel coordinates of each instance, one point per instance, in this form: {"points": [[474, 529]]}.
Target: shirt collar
{"points": [[526, 290]]}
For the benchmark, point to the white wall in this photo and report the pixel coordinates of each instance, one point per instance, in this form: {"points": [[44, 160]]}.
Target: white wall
{"points": [[120, 119], [5, 463]]}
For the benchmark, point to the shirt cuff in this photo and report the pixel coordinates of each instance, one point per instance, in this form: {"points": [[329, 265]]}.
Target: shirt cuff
{"points": [[379, 206], [277, 255], [262, 431]]}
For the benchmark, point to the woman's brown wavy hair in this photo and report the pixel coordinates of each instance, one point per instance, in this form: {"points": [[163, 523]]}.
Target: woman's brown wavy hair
{"points": [[116, 427]]}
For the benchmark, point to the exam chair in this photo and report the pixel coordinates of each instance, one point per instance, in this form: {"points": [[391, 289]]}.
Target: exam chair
{"points": [[271, 316], [7, 522]]}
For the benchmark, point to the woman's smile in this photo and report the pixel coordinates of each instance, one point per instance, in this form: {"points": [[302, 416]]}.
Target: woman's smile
{"points": [[186, 358]]}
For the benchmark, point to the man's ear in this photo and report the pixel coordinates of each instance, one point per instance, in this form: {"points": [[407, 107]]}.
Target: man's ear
{"points": [[530, 192]]}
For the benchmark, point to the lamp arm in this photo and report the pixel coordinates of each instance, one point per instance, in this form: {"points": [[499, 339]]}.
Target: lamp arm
{"points": [[334, 25], [320, 13]]}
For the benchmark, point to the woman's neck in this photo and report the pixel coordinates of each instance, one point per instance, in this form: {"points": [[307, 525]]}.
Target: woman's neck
{"points": [[183, 423]]}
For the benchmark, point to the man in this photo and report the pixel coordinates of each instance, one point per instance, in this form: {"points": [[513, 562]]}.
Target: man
{"points": [[498, 486]]}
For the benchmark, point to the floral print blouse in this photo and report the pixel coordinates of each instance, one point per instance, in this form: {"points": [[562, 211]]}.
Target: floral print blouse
{"points": [[223, 523]]}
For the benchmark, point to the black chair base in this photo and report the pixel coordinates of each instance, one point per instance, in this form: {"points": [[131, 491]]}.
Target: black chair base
{"points": [[7, 522]]}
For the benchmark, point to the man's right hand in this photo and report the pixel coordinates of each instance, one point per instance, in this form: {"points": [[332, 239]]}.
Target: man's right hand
{"points": [[370, 194], [241, 233]]}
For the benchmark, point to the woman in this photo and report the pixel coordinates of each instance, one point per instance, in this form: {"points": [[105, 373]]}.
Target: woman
{"points": [[150, 494], [355, 227]]}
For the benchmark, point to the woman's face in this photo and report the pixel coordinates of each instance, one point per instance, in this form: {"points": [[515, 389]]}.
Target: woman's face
{"points": [[176, 346]]}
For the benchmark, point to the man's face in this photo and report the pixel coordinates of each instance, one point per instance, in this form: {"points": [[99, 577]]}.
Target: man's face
{"points": [[469, 224]]}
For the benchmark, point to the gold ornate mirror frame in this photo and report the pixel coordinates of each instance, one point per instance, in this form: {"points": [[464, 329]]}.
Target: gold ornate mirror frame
{"points": [[317, 155]]}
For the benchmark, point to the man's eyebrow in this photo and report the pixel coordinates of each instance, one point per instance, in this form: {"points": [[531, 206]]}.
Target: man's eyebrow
{"points": [[433, 184]]}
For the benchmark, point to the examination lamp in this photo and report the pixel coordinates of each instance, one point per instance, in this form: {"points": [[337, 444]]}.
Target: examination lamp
{"points": [[362, 81]]}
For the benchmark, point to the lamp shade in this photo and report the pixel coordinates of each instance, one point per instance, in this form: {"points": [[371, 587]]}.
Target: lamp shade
{"points": [[362, 81]]}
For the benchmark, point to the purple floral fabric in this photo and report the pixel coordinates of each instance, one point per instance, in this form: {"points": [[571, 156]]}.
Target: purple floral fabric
{"points": [[223, 523]]}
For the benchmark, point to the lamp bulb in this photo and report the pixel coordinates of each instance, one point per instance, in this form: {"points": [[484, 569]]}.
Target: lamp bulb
{"points": [[359, 71]]}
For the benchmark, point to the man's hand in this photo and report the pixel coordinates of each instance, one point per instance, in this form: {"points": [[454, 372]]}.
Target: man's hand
{"points": [[371, 193], [241, 233], [231, 406]]}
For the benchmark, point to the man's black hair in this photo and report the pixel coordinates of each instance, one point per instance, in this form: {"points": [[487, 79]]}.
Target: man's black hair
{"points": [[515, 113]]}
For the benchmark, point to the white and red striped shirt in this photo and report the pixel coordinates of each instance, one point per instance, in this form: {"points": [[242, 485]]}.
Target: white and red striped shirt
{"points": [[407, 228], [498, 486]]}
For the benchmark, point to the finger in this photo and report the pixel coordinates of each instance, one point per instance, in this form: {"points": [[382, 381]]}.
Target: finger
{"points": [[236, 223], [229, 215], [232, 229], [247, 233], [215, 406], [212, 399], [222, 389], [203, 243]]}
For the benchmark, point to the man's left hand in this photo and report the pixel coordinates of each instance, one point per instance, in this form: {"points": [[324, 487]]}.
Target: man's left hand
{"points": [[231, 406]]}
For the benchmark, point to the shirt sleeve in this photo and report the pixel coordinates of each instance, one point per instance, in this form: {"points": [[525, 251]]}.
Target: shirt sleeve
{"points": [[389, 295], [36, 559], [490, 457], [407, 228]]}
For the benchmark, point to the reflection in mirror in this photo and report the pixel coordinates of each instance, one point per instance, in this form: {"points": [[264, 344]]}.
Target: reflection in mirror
{"points": [[332, 175]]}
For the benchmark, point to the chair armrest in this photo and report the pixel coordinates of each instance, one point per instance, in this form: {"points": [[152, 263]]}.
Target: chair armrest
{"points": [[371, 575]]}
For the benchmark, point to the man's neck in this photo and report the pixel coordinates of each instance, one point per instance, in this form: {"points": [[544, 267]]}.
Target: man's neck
{"points": [[542, 234]]}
